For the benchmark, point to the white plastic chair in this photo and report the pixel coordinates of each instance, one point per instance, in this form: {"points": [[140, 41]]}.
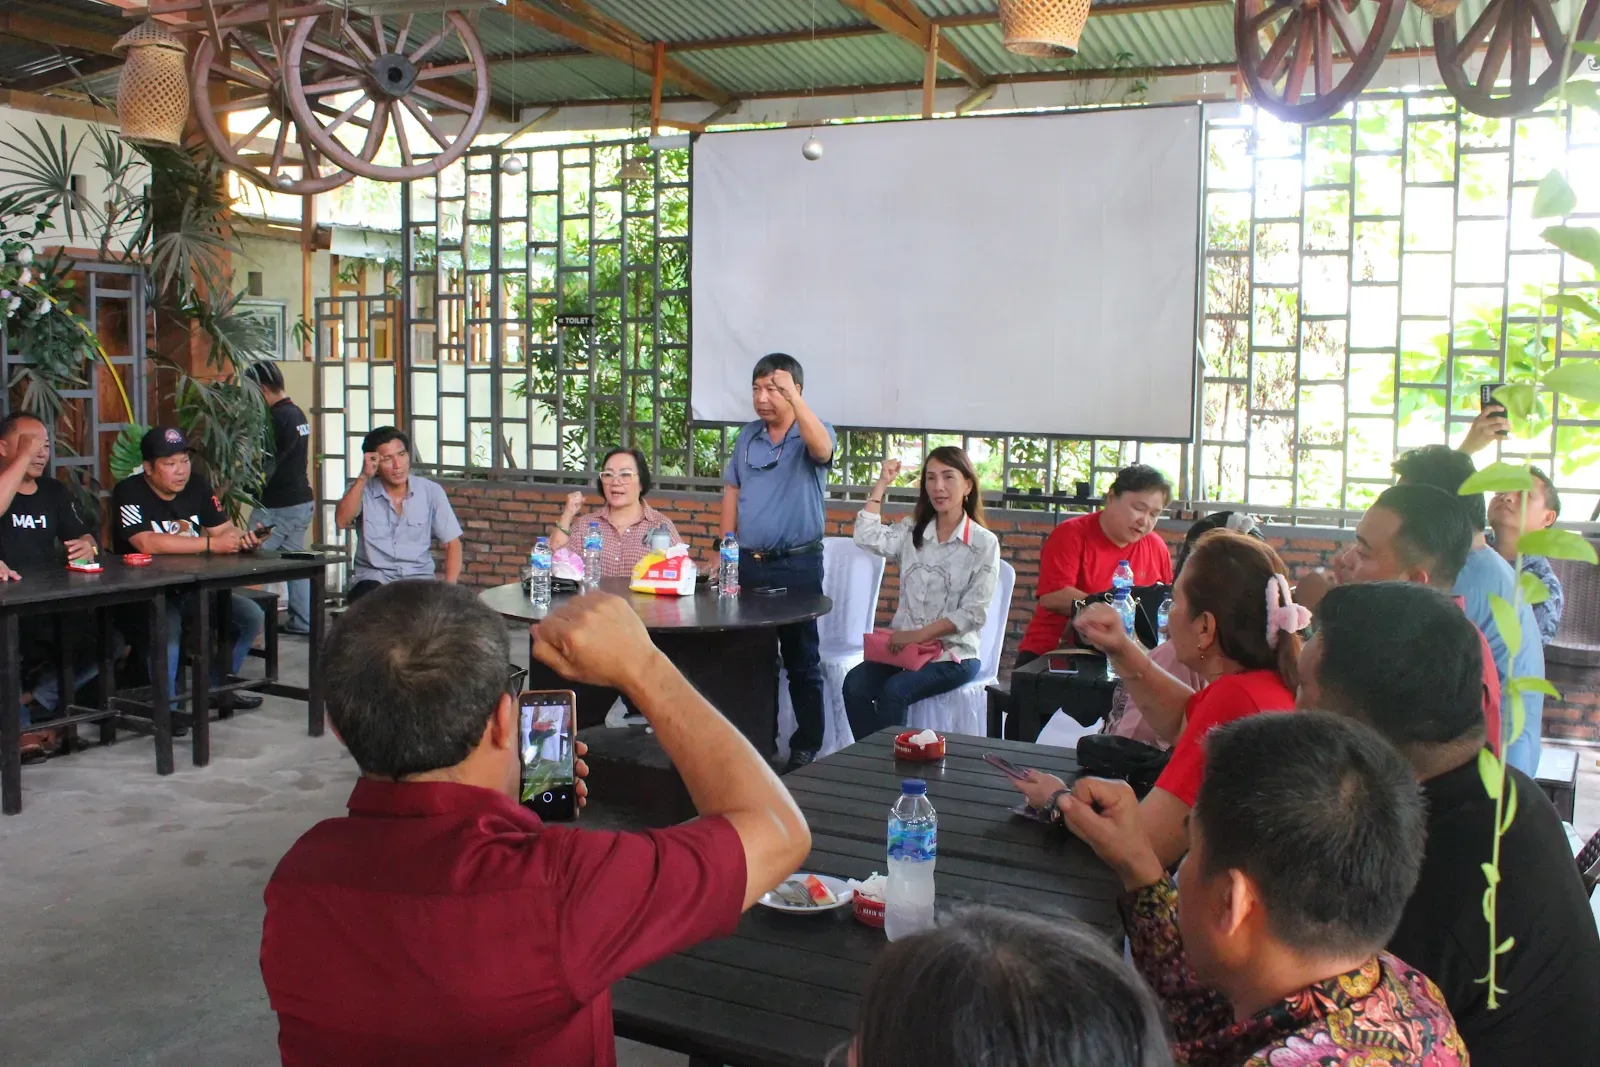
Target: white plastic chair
{"points": [[966, 710], [851, 577]]}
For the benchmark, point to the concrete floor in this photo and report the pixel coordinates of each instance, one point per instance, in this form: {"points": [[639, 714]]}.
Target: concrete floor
{"points": [[131, 904]]}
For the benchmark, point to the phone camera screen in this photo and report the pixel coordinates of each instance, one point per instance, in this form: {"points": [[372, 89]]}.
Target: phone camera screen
{"points": [[545, 738]]}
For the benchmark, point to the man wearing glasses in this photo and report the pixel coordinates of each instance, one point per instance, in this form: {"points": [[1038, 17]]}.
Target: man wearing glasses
{"points": [[772, 502], [397, 516]]}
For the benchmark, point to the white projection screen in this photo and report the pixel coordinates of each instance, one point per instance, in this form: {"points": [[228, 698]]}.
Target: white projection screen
{"points": [[1026, 274]]}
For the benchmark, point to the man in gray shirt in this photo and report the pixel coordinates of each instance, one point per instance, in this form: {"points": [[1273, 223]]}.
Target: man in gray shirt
{"points": [[772, 501], [397, 516]]}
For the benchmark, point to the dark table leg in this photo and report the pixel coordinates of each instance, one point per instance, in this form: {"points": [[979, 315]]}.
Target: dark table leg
{"points": [[10, 717], [737, 671], [67, 679], [107, 683], [314, 716], [200, 679], [224, 649], [160, 696]]}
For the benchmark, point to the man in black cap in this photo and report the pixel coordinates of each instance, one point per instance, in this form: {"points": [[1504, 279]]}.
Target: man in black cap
{"points": [[167, 509]]}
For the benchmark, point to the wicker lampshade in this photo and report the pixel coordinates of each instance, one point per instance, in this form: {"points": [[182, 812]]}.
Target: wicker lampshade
{"points": [[1045, 29], [153, 95], [1438, 9]]}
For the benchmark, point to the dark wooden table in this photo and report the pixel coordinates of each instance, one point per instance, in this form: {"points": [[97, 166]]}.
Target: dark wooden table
{"points": [[41, 594], [210, 574], [782, 991], [727, 647]]}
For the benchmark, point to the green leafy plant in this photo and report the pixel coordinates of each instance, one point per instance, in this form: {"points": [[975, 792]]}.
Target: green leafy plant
{"points": [[1577, 378], [163, 207]]}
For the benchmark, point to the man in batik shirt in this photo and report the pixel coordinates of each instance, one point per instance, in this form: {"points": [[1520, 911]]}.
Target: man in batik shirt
{"points": [[1304, 845]]}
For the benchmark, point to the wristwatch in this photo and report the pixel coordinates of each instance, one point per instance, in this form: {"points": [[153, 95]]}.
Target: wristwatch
{"points": [[1055, 803]]}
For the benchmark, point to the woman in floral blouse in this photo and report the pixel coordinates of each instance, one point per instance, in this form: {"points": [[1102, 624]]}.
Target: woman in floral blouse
{"points": [[948, 565]]}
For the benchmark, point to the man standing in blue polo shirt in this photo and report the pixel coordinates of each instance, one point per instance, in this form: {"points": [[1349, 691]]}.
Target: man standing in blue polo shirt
{"points": [[772, 502]]}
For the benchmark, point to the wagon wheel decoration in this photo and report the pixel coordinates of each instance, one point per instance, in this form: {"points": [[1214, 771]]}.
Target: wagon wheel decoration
{"points": [[1508, 27], [336, 68], [285, 160], [1287, 51]]}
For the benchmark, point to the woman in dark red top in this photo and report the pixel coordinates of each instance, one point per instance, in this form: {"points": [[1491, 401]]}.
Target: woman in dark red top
{"points": [[1234, 623], [1080, 554]]}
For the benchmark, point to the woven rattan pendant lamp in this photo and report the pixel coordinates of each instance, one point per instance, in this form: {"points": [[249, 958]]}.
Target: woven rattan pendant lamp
{"points": [[1044, 29], [153, 94]]}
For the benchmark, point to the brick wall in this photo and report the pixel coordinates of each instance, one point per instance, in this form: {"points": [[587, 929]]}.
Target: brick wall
{"points": [[1576, 716], [501, 520]]}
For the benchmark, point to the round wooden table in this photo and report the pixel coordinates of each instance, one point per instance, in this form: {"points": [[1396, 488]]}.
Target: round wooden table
{"points": [[726, 647]]}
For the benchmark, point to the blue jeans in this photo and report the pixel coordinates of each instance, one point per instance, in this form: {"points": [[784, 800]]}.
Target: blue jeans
{"points": [[47, 690], [798, 642], [289, 527], [877, 694], [245, 620]]}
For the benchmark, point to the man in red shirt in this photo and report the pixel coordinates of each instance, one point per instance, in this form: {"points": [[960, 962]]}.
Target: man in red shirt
{"points": [[1413, 533], [442, 923], [1080, 555]]}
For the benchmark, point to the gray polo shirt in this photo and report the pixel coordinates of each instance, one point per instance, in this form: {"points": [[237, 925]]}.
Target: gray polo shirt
{"points": [[781, 488], [394, 545]]}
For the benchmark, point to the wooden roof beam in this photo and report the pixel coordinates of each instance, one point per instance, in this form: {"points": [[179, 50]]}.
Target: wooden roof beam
{"points": [[910, 24], [604, 38], [32, 26]]}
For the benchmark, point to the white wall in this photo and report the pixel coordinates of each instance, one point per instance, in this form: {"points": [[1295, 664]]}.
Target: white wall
{"points": [[14, 124], [279, 264]]}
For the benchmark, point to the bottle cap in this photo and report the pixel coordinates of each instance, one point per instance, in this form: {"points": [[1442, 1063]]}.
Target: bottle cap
{"points": [[914, 787], [1122, 563]]}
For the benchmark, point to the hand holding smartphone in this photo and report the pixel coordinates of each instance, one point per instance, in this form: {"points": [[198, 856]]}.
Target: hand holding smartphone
{"points": [[547, 721], [1006, 767], [1487, 402]]}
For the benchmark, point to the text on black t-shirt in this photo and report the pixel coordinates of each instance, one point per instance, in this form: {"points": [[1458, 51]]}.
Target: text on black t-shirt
{"points": [[136, 509], [35, 525]]}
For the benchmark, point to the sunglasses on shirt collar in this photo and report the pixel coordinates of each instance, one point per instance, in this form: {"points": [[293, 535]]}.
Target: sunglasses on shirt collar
{"points": [[771, 462]]}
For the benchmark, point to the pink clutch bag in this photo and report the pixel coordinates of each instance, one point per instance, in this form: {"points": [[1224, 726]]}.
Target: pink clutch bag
{"points": [[875, 647]]}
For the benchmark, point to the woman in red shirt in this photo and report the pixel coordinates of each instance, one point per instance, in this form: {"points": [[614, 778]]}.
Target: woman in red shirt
{"points": [[1234, 623], [1080, 555]]}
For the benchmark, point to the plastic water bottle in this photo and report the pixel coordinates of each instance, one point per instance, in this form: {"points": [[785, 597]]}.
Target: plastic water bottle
{"points": [[1122, 603], [728, 567], [1163, 613], [913, 850], [1122, 577], [539, 560], [592, 545]]}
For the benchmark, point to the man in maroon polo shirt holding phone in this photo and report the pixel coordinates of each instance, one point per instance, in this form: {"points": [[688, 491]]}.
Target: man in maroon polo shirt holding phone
{"points": [[442, 923]]}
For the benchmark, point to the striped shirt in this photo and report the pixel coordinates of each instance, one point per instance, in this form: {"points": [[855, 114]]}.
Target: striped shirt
{"points": [[621, 548]]}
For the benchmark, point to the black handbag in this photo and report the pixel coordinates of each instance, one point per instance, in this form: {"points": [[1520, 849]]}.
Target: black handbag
{"points": [[1134, 762]]}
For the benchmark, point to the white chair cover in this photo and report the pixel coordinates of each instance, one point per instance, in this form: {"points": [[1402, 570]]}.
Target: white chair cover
{"points": [[851, 577], [966, 710]]}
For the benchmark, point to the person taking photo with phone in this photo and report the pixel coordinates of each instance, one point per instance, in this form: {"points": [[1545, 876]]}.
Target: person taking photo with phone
{"points": [[397, 516], [440, 921]]}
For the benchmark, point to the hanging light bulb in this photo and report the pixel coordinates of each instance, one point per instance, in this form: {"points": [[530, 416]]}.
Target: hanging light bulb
{"points": [[512, 165], [634, 170], [812, 149]]}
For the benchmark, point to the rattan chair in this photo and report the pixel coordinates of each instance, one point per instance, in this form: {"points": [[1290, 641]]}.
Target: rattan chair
{"points": [[1577, 643]]}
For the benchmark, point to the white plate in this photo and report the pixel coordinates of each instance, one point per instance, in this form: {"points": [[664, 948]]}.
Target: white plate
{"points": [[840, 890]]}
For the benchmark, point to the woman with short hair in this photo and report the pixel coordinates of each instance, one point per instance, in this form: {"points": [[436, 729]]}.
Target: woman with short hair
{"points": [[625, 520]]}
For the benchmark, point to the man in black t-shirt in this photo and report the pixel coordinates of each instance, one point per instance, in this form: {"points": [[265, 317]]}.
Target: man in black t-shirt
{"points": [[40, 529], [1402, 658], [167, 509], [286, 497]]}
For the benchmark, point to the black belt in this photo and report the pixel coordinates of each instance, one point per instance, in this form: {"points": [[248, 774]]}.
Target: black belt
{"points": [[770, 555]]}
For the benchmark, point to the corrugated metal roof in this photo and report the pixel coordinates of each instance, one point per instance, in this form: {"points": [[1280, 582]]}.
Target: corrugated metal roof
{"points": [[701, 20], [576, 78], [879, 59]]}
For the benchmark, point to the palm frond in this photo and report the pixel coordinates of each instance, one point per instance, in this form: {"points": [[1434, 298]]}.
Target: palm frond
{"points": [[43, 169]]}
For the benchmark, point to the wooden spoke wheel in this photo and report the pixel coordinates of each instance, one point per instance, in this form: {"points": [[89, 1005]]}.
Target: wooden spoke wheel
{"points": [[1506, 29], [1305, 59], [273, 152], [337, 68]]}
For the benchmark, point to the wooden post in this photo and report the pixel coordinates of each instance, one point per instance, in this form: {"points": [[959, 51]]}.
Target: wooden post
{"points": [[930, 69], [658, 69], [308, 245]]}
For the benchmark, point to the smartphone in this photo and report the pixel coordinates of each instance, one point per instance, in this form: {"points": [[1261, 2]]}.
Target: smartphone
{"points": [[1005, 766], [776, 590], [260, 532], [547, 722], [1486, 401], [295, 553]]}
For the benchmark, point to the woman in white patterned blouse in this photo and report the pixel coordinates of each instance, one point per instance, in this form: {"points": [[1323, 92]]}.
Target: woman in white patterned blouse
{"points": [[948, 566]]}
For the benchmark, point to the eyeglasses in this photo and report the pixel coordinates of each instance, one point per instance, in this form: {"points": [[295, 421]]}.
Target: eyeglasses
{"points": [[840, 1056], [515, 677], [618, 476], [771, 462]]}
